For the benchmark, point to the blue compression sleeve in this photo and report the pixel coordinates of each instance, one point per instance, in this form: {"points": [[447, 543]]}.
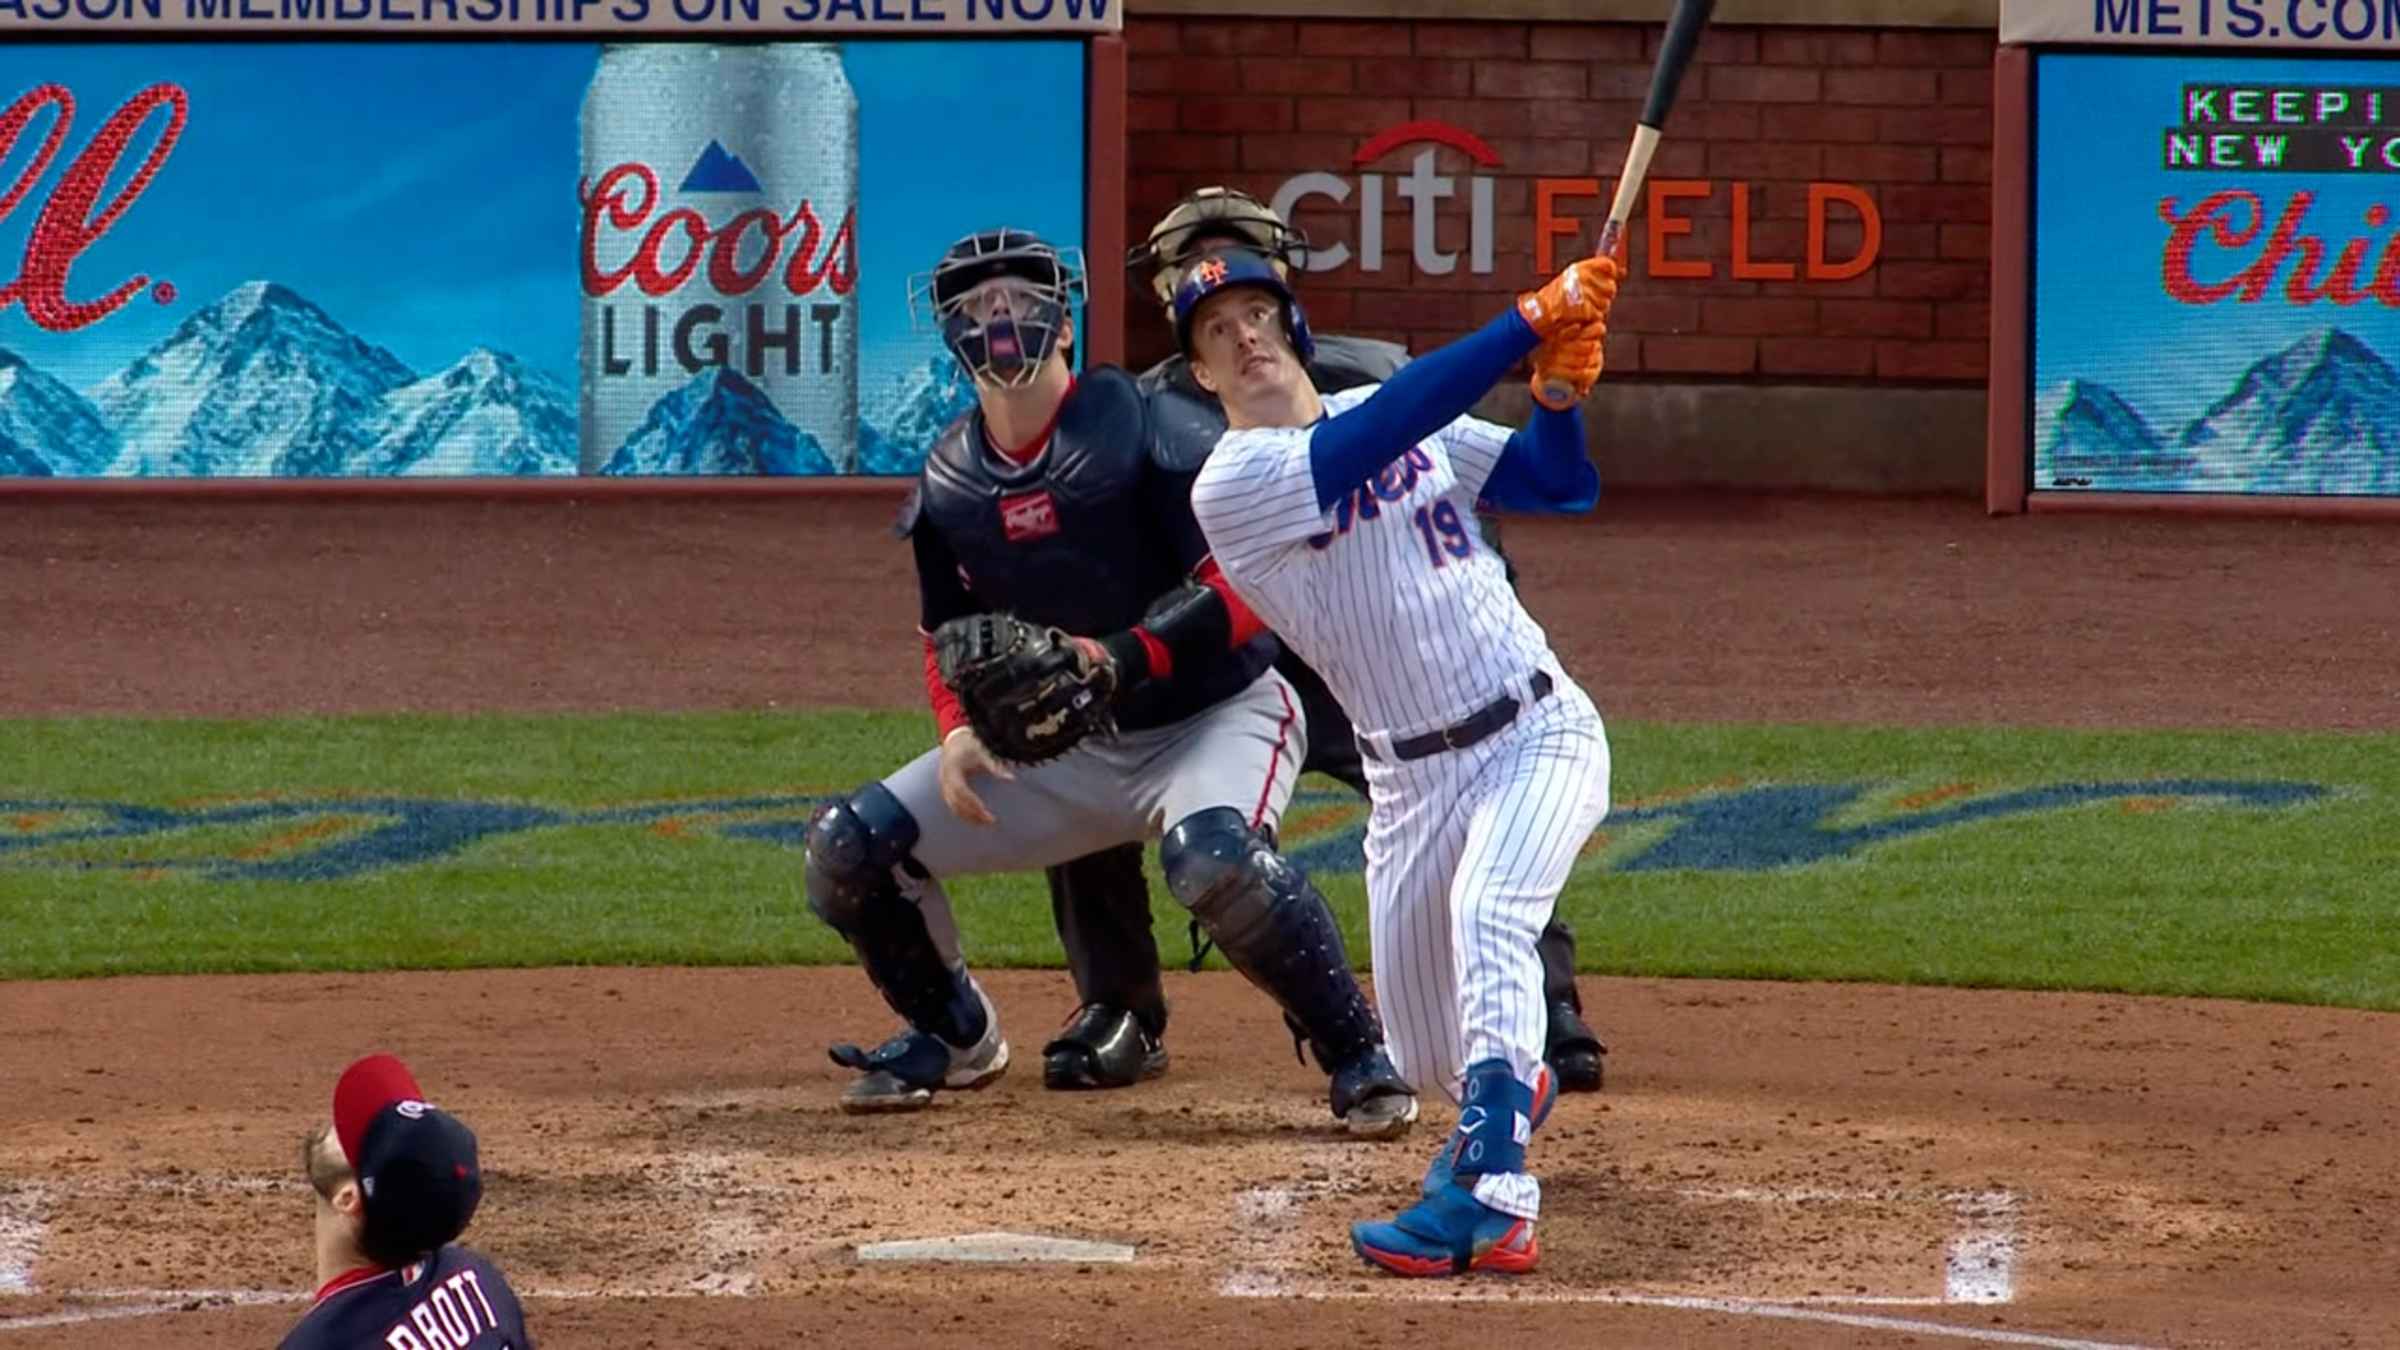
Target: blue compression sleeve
{"points": [[1421, 398], [1545, 468]]}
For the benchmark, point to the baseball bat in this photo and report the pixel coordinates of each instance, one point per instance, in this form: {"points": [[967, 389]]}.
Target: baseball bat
{"points": [[1674, 57]]}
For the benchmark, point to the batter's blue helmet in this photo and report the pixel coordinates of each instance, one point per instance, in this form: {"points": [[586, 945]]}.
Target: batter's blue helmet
{"points": [[1227, 270]]}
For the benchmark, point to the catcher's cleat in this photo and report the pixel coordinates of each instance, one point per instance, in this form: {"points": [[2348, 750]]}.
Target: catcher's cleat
{"points": [[1449, 1232], [1370, 1097], [1101, 1047], [1575, 1051], [903, 1073]]}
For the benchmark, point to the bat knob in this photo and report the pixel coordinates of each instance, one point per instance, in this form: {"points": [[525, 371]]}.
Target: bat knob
{"points": [[1556, 395]]}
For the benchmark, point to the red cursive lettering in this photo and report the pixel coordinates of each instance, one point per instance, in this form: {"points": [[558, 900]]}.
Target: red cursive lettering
{"points": [[2215, 218], [724, 263], [646, 275], [611, 198], [12, 124], [66, 227], [841, 257], [628, 193], [2386, 286], [796, 278]]}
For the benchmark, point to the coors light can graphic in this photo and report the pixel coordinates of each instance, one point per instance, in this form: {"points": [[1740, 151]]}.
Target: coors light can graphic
{"points": [[719, 260]]}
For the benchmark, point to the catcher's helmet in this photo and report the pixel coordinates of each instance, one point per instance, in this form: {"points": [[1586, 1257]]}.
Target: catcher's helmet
{"points": [[1002, 335], [1230, 269], [1213, 217]]}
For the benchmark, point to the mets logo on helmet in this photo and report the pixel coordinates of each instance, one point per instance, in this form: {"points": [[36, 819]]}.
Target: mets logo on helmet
{"points": [[1209, 273]]}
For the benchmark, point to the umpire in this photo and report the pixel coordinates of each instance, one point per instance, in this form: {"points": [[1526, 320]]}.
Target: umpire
{"points": [[1101, 901]]}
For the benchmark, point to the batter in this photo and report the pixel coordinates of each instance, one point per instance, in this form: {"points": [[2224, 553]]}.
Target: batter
{"points": [[1347, 521]]}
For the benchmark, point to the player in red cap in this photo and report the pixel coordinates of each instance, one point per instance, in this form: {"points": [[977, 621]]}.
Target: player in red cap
{"points": [[397, 1180]]}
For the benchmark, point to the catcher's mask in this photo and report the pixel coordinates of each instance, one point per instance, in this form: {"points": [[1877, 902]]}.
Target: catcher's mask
{"points": [[1212, 218], [1231, 269], [1001, 300]]}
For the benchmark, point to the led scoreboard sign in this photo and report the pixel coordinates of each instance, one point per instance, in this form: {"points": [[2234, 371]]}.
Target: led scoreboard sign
{"points": [[2199, 259]]}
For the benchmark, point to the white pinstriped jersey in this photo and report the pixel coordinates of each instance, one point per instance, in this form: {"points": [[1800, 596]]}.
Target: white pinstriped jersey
{"points": [[1392, 595]]}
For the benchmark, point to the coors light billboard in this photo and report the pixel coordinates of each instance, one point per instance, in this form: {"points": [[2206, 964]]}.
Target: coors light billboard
{"points": [[282, 259]]}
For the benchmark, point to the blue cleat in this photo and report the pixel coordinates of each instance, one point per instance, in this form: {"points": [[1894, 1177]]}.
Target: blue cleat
{"points": [[1449, 1232]]}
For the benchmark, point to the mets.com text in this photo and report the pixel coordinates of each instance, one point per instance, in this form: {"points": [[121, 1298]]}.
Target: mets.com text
{"points": [[2250, 20]]}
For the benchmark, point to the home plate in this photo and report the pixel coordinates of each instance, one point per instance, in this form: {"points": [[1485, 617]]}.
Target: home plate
{"points": [[1019, 1248]]}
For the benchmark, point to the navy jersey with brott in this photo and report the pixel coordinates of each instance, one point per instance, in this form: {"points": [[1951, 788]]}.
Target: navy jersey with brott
{"points": [[1084, 537], [456, 1301]]}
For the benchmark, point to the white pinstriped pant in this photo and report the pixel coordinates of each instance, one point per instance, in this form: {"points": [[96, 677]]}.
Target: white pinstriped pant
{"points": [[1467, 851]]}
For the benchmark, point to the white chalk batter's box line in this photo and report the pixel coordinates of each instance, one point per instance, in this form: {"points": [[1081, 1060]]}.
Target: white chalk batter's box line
{"points": [[1979, 1261], [1979, 1266]]}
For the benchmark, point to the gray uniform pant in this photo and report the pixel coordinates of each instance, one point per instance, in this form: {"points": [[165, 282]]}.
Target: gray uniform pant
{"points": [[1243, 753]]}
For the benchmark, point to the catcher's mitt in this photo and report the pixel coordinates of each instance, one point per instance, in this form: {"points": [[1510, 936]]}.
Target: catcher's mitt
{"points": [[1030, 692]]}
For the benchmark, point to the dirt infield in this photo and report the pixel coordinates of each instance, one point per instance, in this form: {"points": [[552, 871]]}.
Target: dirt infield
{"points": [[1795, 1166]]}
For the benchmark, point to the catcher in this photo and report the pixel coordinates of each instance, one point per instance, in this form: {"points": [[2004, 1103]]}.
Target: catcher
{"points": [[1085, 698], [1102, 902]]}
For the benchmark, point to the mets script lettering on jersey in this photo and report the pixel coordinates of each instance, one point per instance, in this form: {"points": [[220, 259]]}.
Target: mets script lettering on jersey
{"points": [[1439, 524], [1409, 612]]}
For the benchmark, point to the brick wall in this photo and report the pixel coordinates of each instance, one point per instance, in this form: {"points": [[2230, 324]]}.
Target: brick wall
{"points": [[1904, 115]]}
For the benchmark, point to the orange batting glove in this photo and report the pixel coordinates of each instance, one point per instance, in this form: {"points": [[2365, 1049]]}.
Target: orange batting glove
{"points": [[1569, 362], [1580, 294]]}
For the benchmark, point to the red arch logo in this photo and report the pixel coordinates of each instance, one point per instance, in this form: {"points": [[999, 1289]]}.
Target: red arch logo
{"points": [[1441, 133]]}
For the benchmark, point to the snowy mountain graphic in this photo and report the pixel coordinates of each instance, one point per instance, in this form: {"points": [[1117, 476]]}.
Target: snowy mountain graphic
{"points": [[2084, 429], [260, 383], [488, 414], [46, 428], [18, 460], [899, 423], [719, 170], [718, 423], [2320, 416], [264, 383]]}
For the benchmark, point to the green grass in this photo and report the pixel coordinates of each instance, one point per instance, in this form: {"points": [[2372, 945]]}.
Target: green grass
{"points": [[2156, 894]]}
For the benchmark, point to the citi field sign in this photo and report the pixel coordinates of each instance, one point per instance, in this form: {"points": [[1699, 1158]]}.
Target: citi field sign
{"points": [[1569, 209]]}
